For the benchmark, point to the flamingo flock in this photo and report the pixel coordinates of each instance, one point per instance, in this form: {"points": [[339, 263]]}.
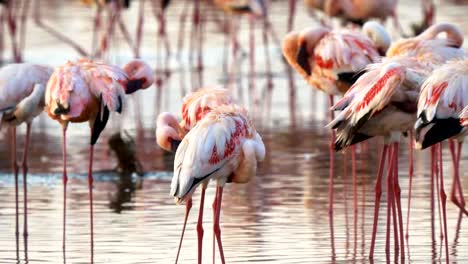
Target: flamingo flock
{"points": [[416, 86]]}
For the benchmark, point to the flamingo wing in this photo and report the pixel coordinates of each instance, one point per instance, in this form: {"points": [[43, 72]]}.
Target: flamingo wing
{"points": [[208, 150], [445, 92], [464, 117]]}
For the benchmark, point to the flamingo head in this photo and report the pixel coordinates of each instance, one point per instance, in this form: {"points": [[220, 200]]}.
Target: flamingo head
{"points": [[140, 76], [428, 133], [379, 36], [168, 132], [298, 48]]}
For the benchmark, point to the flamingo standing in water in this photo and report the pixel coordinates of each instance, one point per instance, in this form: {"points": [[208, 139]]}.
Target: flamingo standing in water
{"points": [[169, 134], [223, 146], [383, 102], [88, 91], [22, 88], [442, 108], [331, 61]]}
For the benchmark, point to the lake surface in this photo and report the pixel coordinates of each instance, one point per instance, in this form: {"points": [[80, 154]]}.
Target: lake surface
{"points": [[281, 216]]}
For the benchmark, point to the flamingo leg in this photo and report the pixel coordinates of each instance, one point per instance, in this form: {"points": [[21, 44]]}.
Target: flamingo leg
{"points": [[65, 180], [378, 195], [96, 28], [332, 162], [443, 199], [397, 190], [90, 188], [216, 227], [355, 198], [214, 217], [292, 12], [456, 183], [391, 181], [139, 29], [188, 206], [12, 27], [14, 166], [389, 200], [252, 61], [25, 182], [410, 173], [200, 225]]}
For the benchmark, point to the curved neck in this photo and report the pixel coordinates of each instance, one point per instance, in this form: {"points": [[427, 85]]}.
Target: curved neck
{"points": [[454, 36]]}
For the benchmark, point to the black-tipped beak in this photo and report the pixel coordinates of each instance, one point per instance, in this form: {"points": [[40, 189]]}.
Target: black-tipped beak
{"points": [[428, 134], [61, 110], [302, 58], [134, 85], [174, 145]]}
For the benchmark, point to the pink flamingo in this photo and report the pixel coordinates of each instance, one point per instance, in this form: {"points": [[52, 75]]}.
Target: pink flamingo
{"points": [[383, 102], [443, 98], [169, 134], [331, 61], [223, 146], [88, 91], [21, 100]]}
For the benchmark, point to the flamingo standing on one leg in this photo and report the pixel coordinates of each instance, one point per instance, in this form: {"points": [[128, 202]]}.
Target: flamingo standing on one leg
{"points": [[331, 60], [22, 88], [88, 91], [223, 146], [169, 134]]}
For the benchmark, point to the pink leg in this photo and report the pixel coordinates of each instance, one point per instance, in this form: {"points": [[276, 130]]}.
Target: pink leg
{"points": [[389, 199], [188, 206], [391, 181], [292, 12], [25, 182], [437, 175], [90, 188], [65, 180], [139, 30], [214, 217], [217, 228], [397, 191], [410, 173], [252, 62], [456, 183], [200, 225], [14, 165], [378, 194], [97, 27], [332, 161], [443, 199], [355, 195]]}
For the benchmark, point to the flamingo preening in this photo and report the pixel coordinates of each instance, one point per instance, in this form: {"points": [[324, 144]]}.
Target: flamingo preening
{"points": [[442, 110], [223, 146], [88, 91], [22, 88], [169, 134], [383, 102], [331, 61]]}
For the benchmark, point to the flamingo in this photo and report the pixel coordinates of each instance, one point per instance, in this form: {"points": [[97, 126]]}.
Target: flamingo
{"points": [[383, 101], [22, 88], [331, 61], [223, 146], [442, 110], [169, 134], [88, 91]]}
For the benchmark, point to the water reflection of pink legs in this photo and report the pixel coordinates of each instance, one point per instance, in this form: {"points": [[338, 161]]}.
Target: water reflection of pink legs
{"points": [[188, 206]]}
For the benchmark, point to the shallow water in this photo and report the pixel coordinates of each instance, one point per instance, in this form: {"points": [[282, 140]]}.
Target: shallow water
{"points": [[279, 217]]}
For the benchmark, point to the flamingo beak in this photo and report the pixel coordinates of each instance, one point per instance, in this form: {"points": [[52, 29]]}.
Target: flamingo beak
{"points": [[134, 85], [302, 58]]}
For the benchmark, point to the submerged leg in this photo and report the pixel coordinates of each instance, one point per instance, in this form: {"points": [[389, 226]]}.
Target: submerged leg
{"points": [[188, 206]]}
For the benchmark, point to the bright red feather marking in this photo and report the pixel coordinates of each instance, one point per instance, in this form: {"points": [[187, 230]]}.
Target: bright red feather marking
{"points": [[185, 114], [241, 131], [326, 64], [436, 92], [378, 86]]}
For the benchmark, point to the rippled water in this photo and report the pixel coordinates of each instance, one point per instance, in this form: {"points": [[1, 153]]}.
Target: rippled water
{"points": [[279, 217]]}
